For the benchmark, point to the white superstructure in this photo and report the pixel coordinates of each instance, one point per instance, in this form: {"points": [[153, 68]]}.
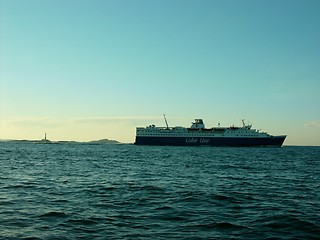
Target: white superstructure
{"points": [[198, 129]]}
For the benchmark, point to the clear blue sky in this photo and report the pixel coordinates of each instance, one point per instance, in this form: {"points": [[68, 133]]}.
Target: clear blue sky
{"points": [[83, 70]]}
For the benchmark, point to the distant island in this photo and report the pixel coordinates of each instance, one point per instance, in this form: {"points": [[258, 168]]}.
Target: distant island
{"points": [[104, 141], [46, 141]]}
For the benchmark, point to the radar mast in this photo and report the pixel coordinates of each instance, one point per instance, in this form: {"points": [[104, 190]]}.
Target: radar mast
{"points": [[166, 121]]}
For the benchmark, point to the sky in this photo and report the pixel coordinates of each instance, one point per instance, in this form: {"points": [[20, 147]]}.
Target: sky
{"points": [[86, 70]]}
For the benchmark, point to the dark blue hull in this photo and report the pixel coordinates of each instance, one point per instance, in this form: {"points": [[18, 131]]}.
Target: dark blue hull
{"points": [[216, 141]]}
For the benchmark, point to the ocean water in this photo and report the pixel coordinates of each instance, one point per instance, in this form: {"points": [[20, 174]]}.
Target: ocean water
{"points": [[82, 191]]}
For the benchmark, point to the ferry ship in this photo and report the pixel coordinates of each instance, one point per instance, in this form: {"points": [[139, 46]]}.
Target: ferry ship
{"points": [[198, 135]]}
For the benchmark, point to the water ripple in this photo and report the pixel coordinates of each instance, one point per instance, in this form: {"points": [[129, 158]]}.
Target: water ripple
{"points": [[68, 191]]}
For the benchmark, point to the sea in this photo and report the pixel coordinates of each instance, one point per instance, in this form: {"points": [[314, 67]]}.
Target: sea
{"points": [[124, 191]]}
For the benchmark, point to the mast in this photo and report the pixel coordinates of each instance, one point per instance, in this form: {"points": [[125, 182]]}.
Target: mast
{"points": [[165, 120]]}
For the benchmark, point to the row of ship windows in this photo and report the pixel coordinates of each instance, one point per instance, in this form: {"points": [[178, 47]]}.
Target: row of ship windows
{"points": [[197, 135], [184, 132]]}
